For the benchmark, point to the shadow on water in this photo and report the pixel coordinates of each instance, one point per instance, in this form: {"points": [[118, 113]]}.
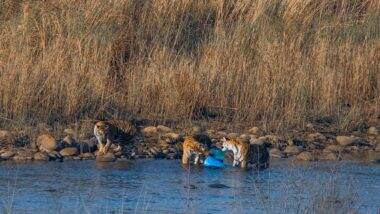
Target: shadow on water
{"points": [[164, 186]]}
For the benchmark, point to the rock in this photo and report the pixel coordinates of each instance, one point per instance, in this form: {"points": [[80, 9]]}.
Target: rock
{"points": [[196, 130], [233, 135], [245, 137], [373, 131], [310, 126], [172, 136], [23, 155], [329, 156], [54, 155], [6, 137], [292, 150], [46, 143], [41, 156], [87, 156], [109, 157], [377, 149], [164, 129], [221, 134], [6, 155], [69, 151], [373, 156], [150, 131], [69, 141], [254, 130], [276, 153], [347, 140], [316, 137], [70, 132], [306, 156], [334, 148]]}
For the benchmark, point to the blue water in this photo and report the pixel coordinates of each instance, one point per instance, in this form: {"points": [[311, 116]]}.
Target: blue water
{"points": [[163, 186]]}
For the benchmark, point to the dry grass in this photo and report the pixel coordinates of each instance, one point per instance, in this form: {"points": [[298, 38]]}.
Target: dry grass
{"points": [[275, 62]]}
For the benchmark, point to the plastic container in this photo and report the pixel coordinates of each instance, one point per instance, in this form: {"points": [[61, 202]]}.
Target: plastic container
{"points": [[217, 154], [213, 162]]}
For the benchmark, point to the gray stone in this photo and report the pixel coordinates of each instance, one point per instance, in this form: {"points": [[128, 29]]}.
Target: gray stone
{"points": [[347, 140], [150, 131], [233, 135], [69, 151], [373, 131], [254, 130], [306, 156], [164, 129], [40, 156], [109, 157], [292, 150], [6, 155], [276, 153]]}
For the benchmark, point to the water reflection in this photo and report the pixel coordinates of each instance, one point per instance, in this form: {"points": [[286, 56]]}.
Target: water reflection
{"points": [[164, 186]]}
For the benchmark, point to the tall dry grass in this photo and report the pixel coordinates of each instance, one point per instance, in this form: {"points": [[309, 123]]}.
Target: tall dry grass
{"points": [[276, 61]]}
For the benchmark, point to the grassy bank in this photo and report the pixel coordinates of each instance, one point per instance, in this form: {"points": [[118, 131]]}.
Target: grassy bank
{"points": [[274, 62]]}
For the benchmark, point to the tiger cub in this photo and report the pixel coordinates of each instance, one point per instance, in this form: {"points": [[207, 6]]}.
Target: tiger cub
{"points": [[246, 154], [197, 146], [112, 132]]}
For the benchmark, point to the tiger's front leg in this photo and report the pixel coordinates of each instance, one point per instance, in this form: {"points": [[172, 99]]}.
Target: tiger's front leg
{"points": [[196, 159], [101, 148], [235, 163], [107, 146]]}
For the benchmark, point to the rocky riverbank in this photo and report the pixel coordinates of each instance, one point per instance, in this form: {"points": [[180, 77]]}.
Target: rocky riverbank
{"points": [[164, 142]]}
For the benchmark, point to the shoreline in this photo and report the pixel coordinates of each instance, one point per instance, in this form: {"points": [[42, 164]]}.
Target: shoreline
{"points": [[162, 142]]}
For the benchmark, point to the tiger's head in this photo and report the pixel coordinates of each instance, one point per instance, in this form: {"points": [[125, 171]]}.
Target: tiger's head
{"points": [[101, 130], [227, 144]]}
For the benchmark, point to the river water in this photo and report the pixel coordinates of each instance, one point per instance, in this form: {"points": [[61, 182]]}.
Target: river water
{"points": [[164, 186]]}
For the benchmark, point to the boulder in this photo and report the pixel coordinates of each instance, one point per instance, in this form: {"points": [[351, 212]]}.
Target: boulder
{"points": [[40, 156], [373, 156], [172, 136], [7, 154], [150, 131], [245, 137], [196, 130], [373, 131], [254, 130], [232, 135], [46, 143], [292, 150], [54, 155], [6, 138], [329, 156], [87, 155], [316, 137], [221, 134], [347, 140], [23, 155], [69, 151], [108, 157], [334, 148], [163, 129], [276, 153], [306, 156]]}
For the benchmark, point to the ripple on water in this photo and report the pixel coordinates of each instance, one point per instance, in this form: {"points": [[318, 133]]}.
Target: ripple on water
{"points": [[162, 186]]}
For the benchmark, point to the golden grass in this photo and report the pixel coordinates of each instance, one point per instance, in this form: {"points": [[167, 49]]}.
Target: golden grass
{"points": [[276, 61]]}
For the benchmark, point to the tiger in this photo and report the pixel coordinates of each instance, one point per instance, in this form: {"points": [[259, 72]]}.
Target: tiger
{"points": [[246, 154], [197, 145], [112, 132]]}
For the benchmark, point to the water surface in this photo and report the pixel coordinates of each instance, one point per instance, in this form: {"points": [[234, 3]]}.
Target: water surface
{"points": [[163, 186]]}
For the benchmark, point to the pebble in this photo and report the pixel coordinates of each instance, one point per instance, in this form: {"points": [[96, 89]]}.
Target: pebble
{"points": [[69, 151], [306, 156], [292, 150], [46, 143]]}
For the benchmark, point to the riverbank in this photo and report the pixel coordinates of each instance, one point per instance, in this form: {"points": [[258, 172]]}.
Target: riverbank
{"points": [[163, 142]]}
